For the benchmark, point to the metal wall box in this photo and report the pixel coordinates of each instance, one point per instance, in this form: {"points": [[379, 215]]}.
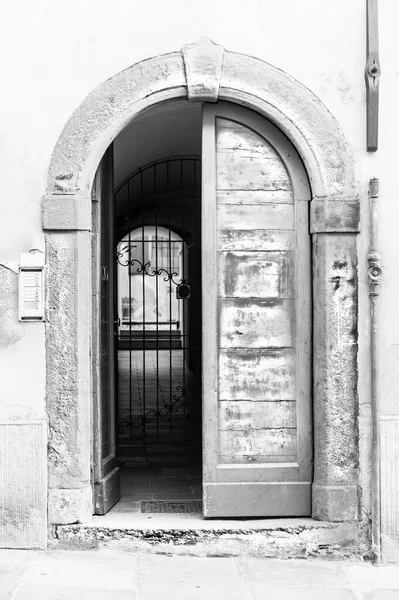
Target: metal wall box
{"points": [[31, 286]]}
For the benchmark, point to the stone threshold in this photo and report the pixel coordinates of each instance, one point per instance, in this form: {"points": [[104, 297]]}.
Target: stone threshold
{"points": [[173, 534]]}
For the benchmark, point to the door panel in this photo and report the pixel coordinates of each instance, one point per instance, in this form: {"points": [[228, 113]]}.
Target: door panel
{"points": [[106, 473], [257, 319]]}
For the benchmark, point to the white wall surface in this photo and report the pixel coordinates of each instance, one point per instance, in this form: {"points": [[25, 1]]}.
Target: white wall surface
{"points": [[55, 52]]}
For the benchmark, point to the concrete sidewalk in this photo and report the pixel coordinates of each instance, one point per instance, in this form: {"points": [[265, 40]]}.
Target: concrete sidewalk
{"points": [[116, 575]]}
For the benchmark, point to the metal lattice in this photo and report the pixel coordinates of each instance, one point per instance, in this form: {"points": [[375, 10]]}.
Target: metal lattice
{"points": [[159, 327]]}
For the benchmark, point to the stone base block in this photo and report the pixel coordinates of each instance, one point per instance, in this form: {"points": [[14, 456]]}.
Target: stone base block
{"points": [[278, 538], [334, 503], [69, 506]]}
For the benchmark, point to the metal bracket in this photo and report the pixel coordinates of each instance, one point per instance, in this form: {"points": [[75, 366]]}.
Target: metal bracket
{"points": [[373, 258], [375, 273], [372, 75]]}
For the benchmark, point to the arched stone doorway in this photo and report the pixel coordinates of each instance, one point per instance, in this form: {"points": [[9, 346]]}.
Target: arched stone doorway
{"points": [[203, 72]]}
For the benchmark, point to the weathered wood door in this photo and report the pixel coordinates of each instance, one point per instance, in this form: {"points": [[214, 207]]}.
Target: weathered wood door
{"points": [[257, 319], [106, 473]]}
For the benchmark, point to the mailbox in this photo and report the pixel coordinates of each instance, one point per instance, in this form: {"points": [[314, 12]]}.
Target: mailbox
{"points": [[31, 286]]}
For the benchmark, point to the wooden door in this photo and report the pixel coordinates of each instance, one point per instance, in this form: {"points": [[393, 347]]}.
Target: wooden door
{"points": [[106, 473], [257, 319]]}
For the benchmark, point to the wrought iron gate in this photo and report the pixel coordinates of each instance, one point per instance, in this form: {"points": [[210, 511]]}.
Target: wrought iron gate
{"points": [[159, 307]]}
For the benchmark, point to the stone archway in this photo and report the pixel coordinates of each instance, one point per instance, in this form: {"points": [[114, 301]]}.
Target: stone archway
{"points": [[202, 71]]}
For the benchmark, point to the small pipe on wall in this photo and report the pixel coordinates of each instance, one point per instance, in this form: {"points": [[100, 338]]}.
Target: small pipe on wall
{"points": [[374, 274]]}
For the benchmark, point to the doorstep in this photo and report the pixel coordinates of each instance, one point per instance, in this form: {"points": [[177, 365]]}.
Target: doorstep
{"points": [[191, 534]]}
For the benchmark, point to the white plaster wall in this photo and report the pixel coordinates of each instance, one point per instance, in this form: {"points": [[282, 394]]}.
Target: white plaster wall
{"points": [[57, 52]]}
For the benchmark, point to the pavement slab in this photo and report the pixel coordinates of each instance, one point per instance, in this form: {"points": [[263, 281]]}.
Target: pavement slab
{"points": [[296, 573], [366, 576], [12, 565], [381, 595], [105, 574], [62, 593]]}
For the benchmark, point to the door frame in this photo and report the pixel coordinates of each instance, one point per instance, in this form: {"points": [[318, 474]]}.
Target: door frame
{"points": [[105, 472], [202, 71]]}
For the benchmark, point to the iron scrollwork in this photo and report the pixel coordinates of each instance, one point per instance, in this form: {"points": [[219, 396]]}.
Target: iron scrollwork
{"points": [[145, 269], [179, 401]]}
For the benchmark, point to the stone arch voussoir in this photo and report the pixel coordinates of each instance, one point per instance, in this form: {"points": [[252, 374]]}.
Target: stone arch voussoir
{"points": [[203, 72]]}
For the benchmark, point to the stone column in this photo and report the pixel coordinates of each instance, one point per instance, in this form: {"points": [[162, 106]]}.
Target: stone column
{"points": [[335, 359], [66, 221]]}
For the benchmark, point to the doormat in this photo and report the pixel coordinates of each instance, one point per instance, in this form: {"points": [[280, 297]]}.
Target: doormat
{"points": [[164, 506]]}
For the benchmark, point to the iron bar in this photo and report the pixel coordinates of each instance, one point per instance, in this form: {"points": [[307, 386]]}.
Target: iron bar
{"points": [[170, 324], [184, 316], [157, 316], [144, 311], [372, 75], [130, 331]]}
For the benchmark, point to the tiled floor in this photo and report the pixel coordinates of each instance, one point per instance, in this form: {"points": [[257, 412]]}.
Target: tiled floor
{"points": [[157, 483]]}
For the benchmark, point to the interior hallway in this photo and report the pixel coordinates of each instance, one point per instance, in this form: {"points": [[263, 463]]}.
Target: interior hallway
{"points": [[156, 483], [160, 461]]}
